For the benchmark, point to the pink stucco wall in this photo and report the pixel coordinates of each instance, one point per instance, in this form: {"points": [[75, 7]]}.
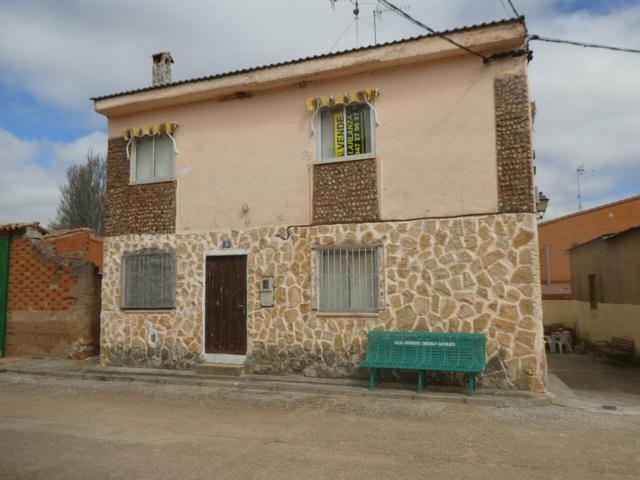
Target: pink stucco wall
{"points": [[435, 146]]}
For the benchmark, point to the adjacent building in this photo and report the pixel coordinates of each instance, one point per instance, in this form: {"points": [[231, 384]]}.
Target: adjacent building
{"points": [[559, 235], [273, 216], [49, 291], [605, 281]]}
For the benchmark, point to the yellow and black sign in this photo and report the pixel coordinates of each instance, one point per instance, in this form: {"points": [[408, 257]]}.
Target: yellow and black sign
{"points": [[338, 132], [354, 132]]}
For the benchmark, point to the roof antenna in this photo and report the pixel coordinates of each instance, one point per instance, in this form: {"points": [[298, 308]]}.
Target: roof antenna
{"points": [[356, 14], [377, 14], [580, 171]]}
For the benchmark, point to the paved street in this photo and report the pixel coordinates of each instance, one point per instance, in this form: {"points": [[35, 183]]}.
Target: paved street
{"points": [[79, 429]]}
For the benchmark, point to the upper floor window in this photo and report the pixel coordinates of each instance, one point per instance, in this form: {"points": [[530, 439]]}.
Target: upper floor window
{"points": [[153, 158], [346, 132]]}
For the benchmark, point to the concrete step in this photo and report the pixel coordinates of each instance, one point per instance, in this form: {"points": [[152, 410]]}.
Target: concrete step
{"points": [[223, 369]]}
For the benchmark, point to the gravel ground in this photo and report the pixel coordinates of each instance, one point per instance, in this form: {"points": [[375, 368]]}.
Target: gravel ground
{"points": [[80, 429]]}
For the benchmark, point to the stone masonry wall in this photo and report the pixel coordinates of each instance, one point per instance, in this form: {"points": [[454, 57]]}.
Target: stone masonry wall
{"points": [[513, 144], [130, 209], [345, 192], [469, 274]]}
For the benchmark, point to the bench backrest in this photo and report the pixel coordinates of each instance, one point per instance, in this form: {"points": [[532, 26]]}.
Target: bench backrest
{"points": [[621, 344], [461, 352]]}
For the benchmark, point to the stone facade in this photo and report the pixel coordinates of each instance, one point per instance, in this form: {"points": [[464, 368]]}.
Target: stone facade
{"points": [[513, 144], [468, 274], [345, 192], [141, 208]]}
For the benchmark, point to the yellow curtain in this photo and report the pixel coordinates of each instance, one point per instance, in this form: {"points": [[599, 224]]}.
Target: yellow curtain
{"points": [[154, 129], [350, 96]]}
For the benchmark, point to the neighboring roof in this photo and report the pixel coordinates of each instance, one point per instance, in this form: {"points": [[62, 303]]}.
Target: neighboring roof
{"points": [[590, 210], [605, 237], [16, 227], [72, 231], [313, 57]]}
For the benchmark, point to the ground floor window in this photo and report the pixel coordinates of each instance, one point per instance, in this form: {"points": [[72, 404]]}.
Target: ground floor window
{"points": [[348, 279], [148, 280]]}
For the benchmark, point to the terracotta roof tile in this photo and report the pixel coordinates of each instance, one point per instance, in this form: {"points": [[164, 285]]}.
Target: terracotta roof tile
{"points": [[13, 227]]}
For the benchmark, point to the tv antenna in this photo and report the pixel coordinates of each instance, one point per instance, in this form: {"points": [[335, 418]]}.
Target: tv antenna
{"points": [[580, 171], [378, 11], [377, 14]]}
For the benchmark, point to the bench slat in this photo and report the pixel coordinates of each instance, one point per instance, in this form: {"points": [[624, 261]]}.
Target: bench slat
{"points": [[459, 352]]}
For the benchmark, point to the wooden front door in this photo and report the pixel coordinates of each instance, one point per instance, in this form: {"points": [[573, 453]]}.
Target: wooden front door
{"points": [[225, 324]]}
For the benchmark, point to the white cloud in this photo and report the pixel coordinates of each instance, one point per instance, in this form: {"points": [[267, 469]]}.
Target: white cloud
{"points": [[587, 108], [65, 154], [66, 51], [34, 172]]}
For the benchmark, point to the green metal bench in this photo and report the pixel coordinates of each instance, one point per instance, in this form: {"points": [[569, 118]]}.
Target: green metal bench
{"points": [[422, 351]]}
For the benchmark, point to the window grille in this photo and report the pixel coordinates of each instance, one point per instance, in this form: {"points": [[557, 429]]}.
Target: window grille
{"points": [[348, 279], [149, 280]]}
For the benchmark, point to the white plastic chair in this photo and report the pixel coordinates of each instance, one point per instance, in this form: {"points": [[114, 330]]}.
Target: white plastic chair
{"points": [[562, 340]]}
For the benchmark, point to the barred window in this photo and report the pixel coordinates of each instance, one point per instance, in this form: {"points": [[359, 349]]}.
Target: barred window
{"points": [[149, 280], [348, 279]]}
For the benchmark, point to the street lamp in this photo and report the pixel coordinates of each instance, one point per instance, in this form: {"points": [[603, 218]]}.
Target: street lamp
{"points": [[541, 205]]}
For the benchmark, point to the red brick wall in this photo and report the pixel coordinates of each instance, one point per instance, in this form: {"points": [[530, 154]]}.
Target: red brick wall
{"points": [[54, 291], [561, 234], [35, 282], [81, 244]]}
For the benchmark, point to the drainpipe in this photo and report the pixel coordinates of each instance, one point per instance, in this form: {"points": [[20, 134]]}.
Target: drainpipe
{"points": [[5, 241]]}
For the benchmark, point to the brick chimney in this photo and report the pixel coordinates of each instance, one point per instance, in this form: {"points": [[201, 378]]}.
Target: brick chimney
{"points": [[162, 68]]}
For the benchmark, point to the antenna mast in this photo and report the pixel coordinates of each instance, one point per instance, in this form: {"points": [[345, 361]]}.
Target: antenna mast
{"points": [[356, 12]]}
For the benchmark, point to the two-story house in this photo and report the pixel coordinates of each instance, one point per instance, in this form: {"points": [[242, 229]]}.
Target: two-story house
{"points": [[272, 216]]}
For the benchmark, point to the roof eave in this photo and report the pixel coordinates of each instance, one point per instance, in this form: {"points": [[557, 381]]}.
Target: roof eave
{"points": [[487, 38]]}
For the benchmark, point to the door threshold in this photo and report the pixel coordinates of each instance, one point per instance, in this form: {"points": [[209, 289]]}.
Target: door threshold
{"points": [[224, 358]]}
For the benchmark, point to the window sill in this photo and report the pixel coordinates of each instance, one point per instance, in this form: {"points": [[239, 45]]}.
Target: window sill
{"points": [[148, 310], [347, 314], [147, 182], [353, 158]]}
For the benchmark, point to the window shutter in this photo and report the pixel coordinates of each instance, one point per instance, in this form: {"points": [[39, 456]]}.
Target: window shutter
{"points": [[149, 280]]}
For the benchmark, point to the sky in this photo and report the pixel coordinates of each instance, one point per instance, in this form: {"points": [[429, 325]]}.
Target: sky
{"points": [[56, 54]]}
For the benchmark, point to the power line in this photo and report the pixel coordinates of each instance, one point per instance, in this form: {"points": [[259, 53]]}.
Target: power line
{"points": [[581, 44], [342, 35], [431, 30], [504, 7], [515, 12]]}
